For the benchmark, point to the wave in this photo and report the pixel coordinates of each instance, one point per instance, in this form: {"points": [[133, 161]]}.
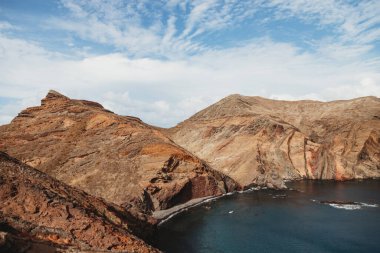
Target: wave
{"points": [[251, 189], [348, 205], [369, 205]]}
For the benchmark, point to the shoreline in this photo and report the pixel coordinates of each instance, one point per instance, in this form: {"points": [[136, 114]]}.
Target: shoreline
{"points": [[164, 215]]}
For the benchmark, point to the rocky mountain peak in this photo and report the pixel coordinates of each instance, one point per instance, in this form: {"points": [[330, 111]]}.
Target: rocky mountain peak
{"points": [[54, 97], [52, 94], [256, 140], [57, 98], [233, 96], [232, 105], [119, 158]]}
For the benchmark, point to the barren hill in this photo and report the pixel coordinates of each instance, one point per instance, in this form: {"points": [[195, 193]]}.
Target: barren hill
{"points": [[262, 141], [119, 158]]}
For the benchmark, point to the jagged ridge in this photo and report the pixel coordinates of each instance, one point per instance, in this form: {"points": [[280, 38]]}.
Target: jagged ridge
{"points": [[119, 158]]}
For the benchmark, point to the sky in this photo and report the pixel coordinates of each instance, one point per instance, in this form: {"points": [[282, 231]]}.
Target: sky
{"points": [[162, 61]]}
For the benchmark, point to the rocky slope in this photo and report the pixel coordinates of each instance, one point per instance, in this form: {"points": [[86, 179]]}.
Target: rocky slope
{"points": [[119, 158], [41, 214], [261, 141]]}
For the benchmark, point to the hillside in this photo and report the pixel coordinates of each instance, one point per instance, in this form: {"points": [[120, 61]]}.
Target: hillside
{"points": [[264, 142], [119, 158], [41, 214]]}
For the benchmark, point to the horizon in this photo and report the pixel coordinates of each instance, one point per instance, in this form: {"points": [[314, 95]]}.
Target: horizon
{"points": [[163, 61]]}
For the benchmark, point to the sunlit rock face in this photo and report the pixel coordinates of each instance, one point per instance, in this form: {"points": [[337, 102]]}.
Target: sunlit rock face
{"points": [[41, 214], [261, 141], [119, 158]]}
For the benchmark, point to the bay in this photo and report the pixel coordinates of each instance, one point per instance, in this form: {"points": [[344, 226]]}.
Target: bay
{"points": [[299, 220]]}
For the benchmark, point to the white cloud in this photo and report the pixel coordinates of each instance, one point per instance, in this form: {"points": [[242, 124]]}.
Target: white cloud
{"points": [[138, 81], [288, 97], [197, 14], [155, 111], [11, 108], [164, 92], [6, 26], [354, 23], [140, 29], [366, 87], [132, 26]]}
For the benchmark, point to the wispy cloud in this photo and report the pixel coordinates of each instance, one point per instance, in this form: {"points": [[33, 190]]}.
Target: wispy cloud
{"points": [[173, 28], [165, 92], [161, 63], [353, 22], [131, 26], [6, 26]]}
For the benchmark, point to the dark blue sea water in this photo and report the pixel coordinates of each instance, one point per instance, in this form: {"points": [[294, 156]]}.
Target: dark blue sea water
{"points": [[281, 221]]}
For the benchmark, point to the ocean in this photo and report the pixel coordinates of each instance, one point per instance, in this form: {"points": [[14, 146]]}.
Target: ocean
{"points": [[306, 218]]}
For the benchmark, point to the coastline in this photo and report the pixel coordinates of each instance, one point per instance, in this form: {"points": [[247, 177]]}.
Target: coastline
{"points": [[232, 219], [164, 215]]}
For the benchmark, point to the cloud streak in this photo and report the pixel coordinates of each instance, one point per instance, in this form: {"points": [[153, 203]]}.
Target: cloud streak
{"points": [[178, 28], [159, 63], [165, 92]]}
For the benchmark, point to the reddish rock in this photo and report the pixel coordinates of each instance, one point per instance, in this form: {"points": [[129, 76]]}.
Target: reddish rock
{"points": [[119, 158], [39, 212]]}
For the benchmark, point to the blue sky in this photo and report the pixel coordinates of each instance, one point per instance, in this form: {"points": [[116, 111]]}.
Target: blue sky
{"points": [[164, 60]]}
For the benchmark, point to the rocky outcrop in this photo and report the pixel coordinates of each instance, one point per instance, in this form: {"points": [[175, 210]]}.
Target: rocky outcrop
{"points": [[119, 158], [264, 142], [41, 214]]}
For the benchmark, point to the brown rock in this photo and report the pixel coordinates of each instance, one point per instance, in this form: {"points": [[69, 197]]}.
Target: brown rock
{"points": [[118, 158], [261, 141], [41, 213]]}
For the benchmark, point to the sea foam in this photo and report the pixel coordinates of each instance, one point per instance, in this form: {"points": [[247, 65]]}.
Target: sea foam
{"points": [[348, 206]]}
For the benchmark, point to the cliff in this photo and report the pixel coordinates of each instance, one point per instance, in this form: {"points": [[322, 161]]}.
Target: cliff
{"points": [[118, 158], [264, 142], [41, 214]]}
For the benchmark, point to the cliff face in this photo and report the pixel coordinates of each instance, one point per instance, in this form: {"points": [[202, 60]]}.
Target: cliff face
{"points": [[41, 214], [119, 158], [262, 141]]}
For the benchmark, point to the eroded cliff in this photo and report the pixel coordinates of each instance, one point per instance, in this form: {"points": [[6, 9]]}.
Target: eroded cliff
{"points": [[261, 141], [41, 214], [119, 158]]}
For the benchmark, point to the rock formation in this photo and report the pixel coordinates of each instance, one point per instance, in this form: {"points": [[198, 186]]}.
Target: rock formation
{"points": [[132, 169], [41, 214], [264, 142], [119, 158]]}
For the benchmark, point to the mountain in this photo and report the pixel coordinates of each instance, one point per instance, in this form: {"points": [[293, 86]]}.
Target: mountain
{"points": [[41, 214], [118, 158], [258, 141], [99, 176]]}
